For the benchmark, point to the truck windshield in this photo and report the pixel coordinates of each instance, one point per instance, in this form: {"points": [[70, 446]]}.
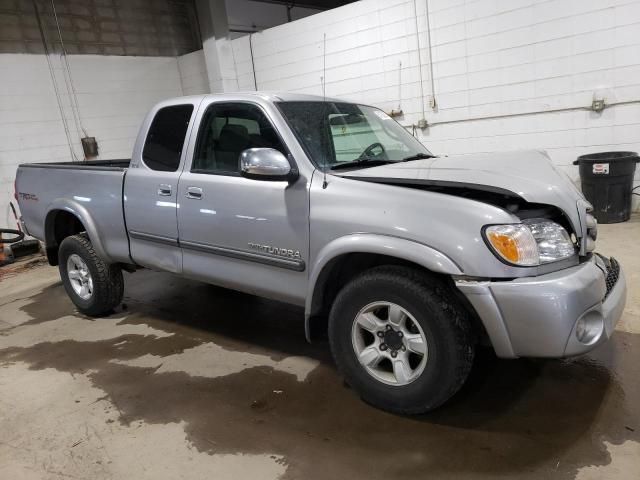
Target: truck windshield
{"points": [[344, 135]]}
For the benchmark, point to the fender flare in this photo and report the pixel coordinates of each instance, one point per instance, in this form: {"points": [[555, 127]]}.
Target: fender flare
{"points": [[387, 245], [83, 215]]}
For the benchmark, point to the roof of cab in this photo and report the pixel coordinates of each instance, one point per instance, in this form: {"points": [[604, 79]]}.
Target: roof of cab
{"points": [[276, 96], [269, 96]]}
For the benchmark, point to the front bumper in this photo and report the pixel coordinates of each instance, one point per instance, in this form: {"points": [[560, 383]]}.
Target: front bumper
{"points": [[538, 316]]}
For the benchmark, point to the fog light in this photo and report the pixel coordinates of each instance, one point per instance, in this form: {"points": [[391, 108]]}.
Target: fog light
{"points": [[589, 328]]}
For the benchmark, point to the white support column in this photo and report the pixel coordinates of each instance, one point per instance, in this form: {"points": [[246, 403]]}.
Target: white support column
{"points": [[216, 44]]}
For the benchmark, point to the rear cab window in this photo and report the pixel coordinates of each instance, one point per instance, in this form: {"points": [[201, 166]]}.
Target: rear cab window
{"points": [[166, 138]]}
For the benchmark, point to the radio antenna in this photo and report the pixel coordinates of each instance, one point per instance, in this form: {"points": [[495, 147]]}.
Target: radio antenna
{"points": [[323, 80], [324, 66]]}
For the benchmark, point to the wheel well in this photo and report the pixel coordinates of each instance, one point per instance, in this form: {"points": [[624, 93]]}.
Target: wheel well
{"points": [[335, 275], [340, 270], [60, 225]]}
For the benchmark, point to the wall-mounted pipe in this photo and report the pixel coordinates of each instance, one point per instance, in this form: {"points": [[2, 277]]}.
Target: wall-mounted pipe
{"points": [[56, 89], [422, 123], [432, 101], [71, 89], [422, 99], [522, 114], [535, 112]]}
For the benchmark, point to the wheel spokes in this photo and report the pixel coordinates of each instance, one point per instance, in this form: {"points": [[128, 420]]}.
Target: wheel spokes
{"points": [[74, 275], [369, 322], [370, 356], [396, 316], [79, 276], [401, 369], [416, 344]]}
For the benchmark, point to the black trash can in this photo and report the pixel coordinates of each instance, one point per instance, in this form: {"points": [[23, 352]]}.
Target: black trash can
{"points": [[607, 181]]}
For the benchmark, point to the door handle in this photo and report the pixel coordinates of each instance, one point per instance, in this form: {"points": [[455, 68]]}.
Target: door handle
{"points": [[194, 193], [164, 190]]}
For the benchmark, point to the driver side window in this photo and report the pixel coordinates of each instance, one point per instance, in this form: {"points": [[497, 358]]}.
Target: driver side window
{"points": [[226, 130]]}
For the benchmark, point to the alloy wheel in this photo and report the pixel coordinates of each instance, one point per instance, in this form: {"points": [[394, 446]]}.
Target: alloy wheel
{"points": [[389, 343]]}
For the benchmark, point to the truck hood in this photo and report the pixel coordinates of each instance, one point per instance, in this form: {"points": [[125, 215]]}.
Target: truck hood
{"points": [[529, 175]]}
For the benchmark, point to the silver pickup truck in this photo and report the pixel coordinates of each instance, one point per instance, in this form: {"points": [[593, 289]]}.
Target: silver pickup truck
{"points": [[407, 261]]}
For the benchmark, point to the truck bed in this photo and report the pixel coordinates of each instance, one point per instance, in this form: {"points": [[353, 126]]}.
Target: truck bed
{"points": [[91, 191]]}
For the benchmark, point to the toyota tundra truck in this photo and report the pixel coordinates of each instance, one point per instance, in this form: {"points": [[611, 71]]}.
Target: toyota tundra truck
{"points": [[406, 261]]}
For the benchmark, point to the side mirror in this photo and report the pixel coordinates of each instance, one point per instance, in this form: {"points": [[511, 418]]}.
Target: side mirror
{"points": [[266, 164]]}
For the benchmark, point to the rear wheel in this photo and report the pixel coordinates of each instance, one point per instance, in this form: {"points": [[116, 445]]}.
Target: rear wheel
{"points": [[94, 286], [400, 339]]}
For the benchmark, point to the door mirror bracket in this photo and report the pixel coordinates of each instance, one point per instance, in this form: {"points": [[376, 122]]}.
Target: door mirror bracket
{"points": [[266, 164]]}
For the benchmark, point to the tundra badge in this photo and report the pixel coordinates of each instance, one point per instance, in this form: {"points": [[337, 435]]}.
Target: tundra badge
{"points": [[282, 252]]}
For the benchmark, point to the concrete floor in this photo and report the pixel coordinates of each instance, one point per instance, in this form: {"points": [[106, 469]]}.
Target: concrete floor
{"points": [[191, 381]]}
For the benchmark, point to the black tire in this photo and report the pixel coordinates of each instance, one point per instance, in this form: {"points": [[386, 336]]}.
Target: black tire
{"points": [[445, 324], [108, 284]]}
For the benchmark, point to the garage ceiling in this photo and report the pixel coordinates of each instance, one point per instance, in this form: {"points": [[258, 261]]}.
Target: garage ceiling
{"points": [[319, 4]]}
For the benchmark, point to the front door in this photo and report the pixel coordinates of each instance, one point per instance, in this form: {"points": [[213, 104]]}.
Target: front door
{"points": [[241, 233], [151, 190]]}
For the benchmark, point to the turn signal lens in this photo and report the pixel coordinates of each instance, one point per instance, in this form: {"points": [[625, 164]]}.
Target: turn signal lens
{"points": [[506, 245], [514, 243]]}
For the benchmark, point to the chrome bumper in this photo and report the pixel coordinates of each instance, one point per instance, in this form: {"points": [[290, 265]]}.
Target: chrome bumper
{"points": [[538, 316]]}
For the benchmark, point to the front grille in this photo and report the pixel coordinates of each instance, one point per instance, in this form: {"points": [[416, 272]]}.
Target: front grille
{"points": [[613, 272]]}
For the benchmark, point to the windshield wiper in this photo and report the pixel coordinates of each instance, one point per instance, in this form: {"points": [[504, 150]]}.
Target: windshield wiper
{"points": [[368, 161], [417, 156], [371, 161]]}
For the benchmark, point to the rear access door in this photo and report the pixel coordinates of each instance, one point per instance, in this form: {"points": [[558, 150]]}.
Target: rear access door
{"points": [[151, 185]]}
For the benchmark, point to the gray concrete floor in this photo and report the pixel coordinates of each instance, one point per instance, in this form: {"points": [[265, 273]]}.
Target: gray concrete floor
{"points": [[191, 381]]}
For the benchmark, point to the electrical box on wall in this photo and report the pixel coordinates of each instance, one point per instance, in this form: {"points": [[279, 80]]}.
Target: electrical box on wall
{"points": [[598, 105], [90, 147]]}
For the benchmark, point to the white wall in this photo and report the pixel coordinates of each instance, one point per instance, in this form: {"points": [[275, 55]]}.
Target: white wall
{"points": [[490, 57], [193, 73], [114, 93]]}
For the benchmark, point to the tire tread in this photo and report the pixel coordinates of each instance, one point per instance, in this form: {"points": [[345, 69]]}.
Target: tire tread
{"points": [[428, 288], [108, 284]]}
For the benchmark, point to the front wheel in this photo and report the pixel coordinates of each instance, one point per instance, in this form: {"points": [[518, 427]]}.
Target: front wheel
{"points": [[94, 286], [400, 339]]}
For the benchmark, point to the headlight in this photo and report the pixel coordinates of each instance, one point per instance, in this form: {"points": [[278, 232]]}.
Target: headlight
{"points": [[554, 243], [530, 243]]}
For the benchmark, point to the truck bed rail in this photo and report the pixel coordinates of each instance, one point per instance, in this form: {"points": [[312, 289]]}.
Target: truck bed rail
{"points": [[119, 164]]}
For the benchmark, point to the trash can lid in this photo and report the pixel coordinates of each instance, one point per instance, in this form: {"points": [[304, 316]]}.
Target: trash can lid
{"points": [[608, 157]]}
